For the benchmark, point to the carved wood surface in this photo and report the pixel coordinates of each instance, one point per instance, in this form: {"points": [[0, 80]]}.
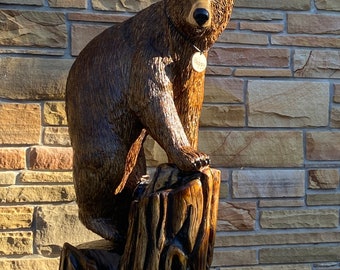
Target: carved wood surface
{"points": [[172, 227]]}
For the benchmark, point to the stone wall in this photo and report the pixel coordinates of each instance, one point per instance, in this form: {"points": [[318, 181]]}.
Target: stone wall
{"points": [[270, 122]]}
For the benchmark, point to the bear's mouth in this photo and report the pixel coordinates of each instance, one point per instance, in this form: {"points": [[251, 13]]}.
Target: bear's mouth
{"points": [[200, 29]]}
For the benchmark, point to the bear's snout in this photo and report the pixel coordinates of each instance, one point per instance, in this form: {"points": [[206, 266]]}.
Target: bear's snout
{"points": [[201, 16], [200, 13]]}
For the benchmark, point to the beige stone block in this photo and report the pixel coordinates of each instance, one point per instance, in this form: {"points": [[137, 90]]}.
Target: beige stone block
{"points": [[243, 38], [55, 113], [222, 116], [154, 154], [311, 218], [317, 63], [224, 190], [99, 17], [268, 183], [33, 78], [253, 148], [116, 5], [20, 123], [50, 158], [33, 51], [272, 267], [249, 57], [16, 243], [336, 97], [29, 263], [225, 173], [12, 158], [262, 27], [82, 34], [264, 239], [38, 193], [218, 70], [335, 117], [333, 5], [223, 90], [236, 216], [56, 136], [323, 199], [315, 24], [262, 72], [234, 257], [68, 3], [7, 178], [326, 266], [45, 177], [57, 224], [15, 217], [24, 2], [256, 15], [306, 41], [282, 203], [323, 179], [287, 103], [300, 254], [33, 28], [323, 145], [283, 4], [232, 25]]}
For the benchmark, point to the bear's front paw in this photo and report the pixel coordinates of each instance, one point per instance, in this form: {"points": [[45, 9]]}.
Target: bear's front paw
{"points": [[191, 160], [201, 162]]}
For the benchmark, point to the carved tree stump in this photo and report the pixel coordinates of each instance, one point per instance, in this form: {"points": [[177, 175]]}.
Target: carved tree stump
{"points": [[173, 223], [172, 227]]}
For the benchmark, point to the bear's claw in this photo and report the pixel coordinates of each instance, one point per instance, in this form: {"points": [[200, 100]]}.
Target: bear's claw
{"points": [[200, 163]]}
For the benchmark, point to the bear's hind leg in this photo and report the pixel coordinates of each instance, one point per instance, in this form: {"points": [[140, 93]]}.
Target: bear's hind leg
{"points": [[105, 228], [114, 223], [97, 224]]}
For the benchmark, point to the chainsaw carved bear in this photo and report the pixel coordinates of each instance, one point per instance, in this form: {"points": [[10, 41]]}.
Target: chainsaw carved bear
{"points": [[137, 78]]}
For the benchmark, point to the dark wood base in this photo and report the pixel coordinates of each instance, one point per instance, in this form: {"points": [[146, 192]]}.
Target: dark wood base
{"points": [[172, 226]]}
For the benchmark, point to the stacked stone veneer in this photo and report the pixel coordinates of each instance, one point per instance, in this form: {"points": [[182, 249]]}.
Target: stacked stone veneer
{"points": [[270, 122]]}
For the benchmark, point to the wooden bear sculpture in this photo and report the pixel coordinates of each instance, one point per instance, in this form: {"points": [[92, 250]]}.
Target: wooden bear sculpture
{"points": [[144, 76]]}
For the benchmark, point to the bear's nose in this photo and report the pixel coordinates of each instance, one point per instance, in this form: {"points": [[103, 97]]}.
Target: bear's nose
{"points": [[201, 15]]}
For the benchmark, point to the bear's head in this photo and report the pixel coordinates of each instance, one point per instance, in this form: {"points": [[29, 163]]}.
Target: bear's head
{"points": [[199, 18]]}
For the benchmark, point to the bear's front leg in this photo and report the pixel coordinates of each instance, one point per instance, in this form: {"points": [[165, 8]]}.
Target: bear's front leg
{"points": [[152, 100], [163, 124]]}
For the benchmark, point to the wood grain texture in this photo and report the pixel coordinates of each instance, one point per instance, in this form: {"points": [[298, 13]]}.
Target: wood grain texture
{"points": [[172, 225]]}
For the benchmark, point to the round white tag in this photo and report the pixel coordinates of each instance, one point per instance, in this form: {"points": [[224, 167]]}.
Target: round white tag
{"points": [[199, 61]]}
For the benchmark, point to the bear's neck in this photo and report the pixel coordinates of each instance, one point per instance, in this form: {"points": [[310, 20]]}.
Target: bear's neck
{"points": [[201, 41]]}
